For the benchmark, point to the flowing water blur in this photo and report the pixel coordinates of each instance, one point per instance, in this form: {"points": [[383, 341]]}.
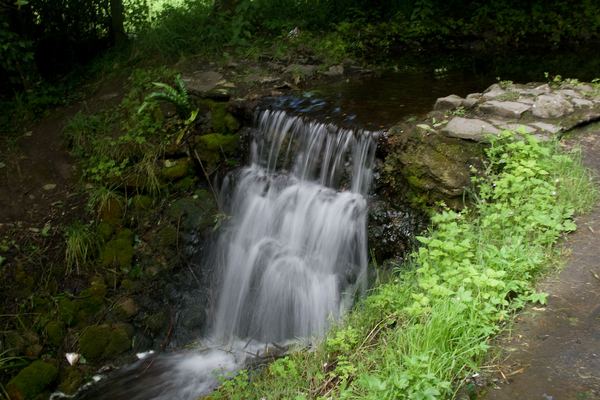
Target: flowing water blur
{"points": [[292, 260]]}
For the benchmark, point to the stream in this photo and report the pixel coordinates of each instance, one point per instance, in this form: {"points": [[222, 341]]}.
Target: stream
{"points": [[294, 254]]}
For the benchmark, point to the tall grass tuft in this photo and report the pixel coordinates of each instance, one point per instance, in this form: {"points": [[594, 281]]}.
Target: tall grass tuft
{"points": [[81, 245]]}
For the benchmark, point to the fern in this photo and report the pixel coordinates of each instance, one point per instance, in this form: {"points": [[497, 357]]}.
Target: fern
{"points": [[178, 97]]}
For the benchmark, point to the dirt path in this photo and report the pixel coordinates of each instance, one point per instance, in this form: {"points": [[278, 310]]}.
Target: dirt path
{"points": [[553, 351]]}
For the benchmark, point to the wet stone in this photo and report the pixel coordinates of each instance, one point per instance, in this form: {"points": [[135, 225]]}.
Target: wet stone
{"points": [[201, 81]]}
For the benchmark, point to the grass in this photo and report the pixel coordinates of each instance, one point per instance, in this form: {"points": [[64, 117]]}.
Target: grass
{"points": [[419, 335], [81, 245]]}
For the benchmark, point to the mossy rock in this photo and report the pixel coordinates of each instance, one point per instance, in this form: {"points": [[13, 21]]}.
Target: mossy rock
{"points": [[68, 310], [177, 169], [129, 285], [142, 203], [93, 297], [429, 166], [223, 122], [210, 148], [119, 253], [32, 380], [112, 212], [191, 214], [100, 342], [168, 235], [185, 184], [71, 379], [127, 307], [56, 333], [104, 231], [157, 321]]}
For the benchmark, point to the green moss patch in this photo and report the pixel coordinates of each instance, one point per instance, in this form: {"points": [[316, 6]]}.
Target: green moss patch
{"points": [[100, 342], [32, 380], [177, 169], [117, 253], [56, 333]]}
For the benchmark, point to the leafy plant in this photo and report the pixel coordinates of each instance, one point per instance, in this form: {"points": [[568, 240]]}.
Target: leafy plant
{"points": [[178, 97]]}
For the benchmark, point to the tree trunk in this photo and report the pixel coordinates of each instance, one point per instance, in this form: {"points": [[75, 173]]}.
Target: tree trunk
{"points": [[117, 12]]}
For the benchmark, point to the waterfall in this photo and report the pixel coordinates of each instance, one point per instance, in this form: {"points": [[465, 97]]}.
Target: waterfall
{"points": [[290, 262], [297, 251]]}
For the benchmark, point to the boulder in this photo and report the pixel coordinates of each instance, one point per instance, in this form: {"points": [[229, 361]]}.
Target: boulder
{"points": [[471, 129], [32, 380], [493, 92], [448, 103], [551, 106]]}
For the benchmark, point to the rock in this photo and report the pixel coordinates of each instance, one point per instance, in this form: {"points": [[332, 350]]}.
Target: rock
{"points": [[56, 333], [493, 92], [100, 342], [471, 129], [526, 101], [232, 64], [304, 70], [434, 167], [349, 62], [508, 109], [201, 82], [276, 66], [547, 127], [127, 307], [32, 380], [252, 78], [551, 106], [193, 317], [518, 127], [177, 169], [582, 103], [469, 103], [528, 92], [336, 70], [568, 93], [448, 103], [545, 88]]}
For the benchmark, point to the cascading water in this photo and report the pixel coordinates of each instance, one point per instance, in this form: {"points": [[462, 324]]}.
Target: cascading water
{"points": [[298, 251], [291, 261]]}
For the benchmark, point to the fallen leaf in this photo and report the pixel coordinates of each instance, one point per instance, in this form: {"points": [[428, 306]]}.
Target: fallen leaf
{"points": [[49, 186]]}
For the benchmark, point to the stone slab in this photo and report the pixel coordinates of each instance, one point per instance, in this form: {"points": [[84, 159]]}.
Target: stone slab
{"points": [[547, 127], [200, 82], [508, 109], [448, 102], [516, 127], [471, 129]]}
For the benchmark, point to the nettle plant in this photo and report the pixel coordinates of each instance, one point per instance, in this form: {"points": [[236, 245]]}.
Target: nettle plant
{"points": [[481, 260]]}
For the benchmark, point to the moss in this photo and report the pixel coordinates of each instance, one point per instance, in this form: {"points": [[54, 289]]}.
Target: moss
{"points": [[94, 341], [185, 184], [157, 321], [223, 122], [181, 168], [71, 378], [56, 333], [142, 203], [210, 147], [93, 297], [119, 342], [168, 235], [112, 212], [68, 310], [104, 231], [129, 285], [32, 380], [118, 253]]}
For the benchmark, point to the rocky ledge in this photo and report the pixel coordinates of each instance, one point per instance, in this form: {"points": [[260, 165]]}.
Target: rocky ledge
{"points": [[430, 159]]}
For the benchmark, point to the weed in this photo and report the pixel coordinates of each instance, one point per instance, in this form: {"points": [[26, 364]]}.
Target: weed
{"points": [[100, 197], [81, 245], [178, 97]]}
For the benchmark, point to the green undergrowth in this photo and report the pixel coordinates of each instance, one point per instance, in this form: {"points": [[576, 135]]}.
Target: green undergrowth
{"points": [[419, 335]]}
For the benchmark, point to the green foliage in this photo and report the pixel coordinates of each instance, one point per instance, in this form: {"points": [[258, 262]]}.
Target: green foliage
{"points": [[178, 97], [81, 245], [414, 336], [15, 52]]}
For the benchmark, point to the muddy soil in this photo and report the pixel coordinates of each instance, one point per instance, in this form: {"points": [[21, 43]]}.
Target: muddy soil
{"points": [[552, 352]]}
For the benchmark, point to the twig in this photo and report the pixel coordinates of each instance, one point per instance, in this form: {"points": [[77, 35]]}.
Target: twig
{"points": [[595, 275], [161, 346], [223, 151], [208, 179], [502, 373]]}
